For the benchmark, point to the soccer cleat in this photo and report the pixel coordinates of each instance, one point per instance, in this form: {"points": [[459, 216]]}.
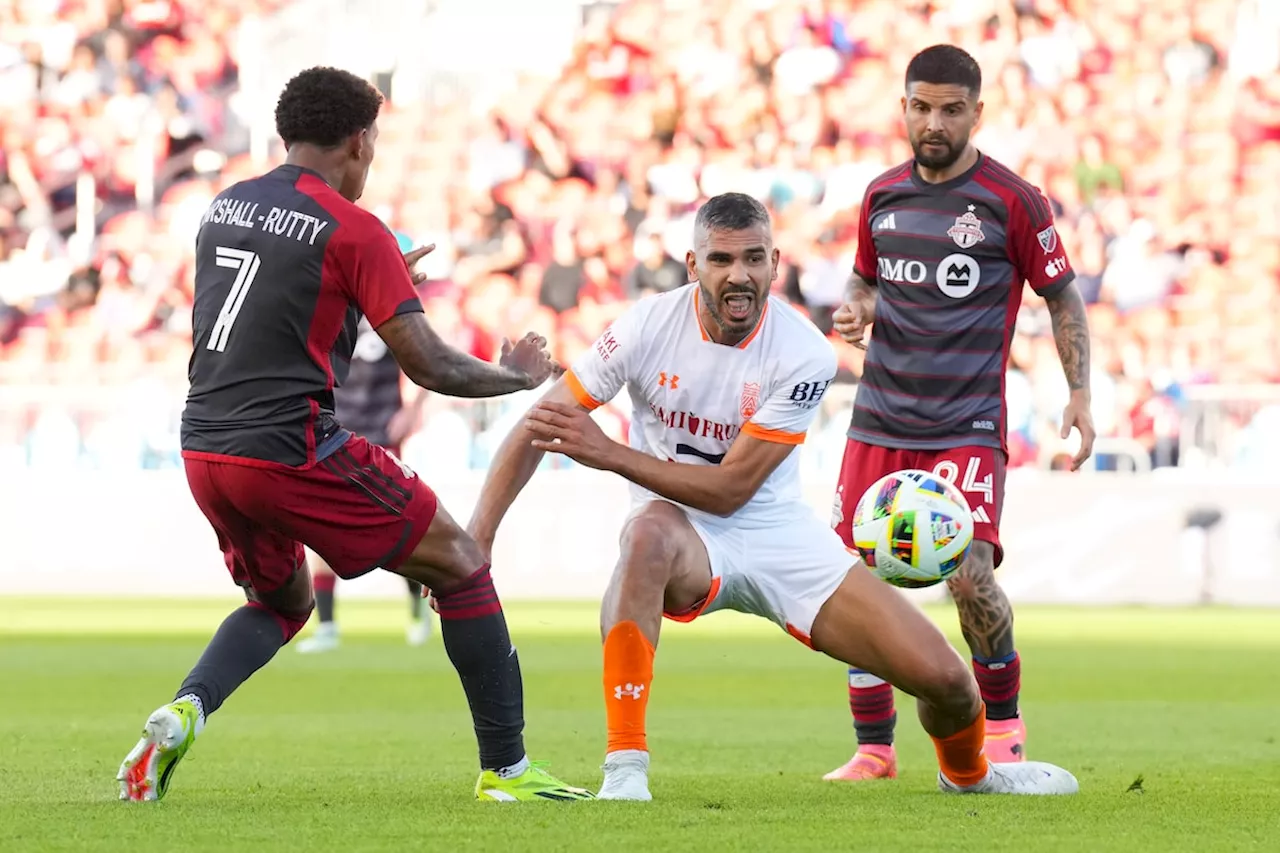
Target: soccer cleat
{"points": [[166, 737], [1006, 741], [626, 776], [325, 639], [1026, 777], [535, 783], [871, 761], [419, 631]]}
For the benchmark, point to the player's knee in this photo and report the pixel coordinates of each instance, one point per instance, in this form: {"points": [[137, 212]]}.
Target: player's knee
{"points": [[290, 621], [647, 543], [951, 685]]}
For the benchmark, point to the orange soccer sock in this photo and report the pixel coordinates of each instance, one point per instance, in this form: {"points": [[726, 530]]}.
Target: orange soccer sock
{"points": [[628, 672], [960, 755]]}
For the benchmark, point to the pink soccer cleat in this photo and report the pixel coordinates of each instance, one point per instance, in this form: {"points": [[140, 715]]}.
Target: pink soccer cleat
{"points": [[1006, 741], [871, 761]]}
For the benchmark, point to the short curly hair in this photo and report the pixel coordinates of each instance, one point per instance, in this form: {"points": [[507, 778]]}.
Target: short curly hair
{"points": [[323, 106]]}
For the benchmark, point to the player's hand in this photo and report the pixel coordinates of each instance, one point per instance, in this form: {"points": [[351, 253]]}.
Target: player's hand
{"points": [[411, 258], [529, 356], [1078, 415], [571, 431], [853, 318]]}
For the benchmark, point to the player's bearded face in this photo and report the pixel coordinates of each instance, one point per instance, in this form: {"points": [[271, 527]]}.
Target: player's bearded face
{"points": [[940, 120], [734, 270]]}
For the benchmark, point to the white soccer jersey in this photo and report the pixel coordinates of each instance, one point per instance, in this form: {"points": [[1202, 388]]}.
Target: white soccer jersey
{"points": [[691, 397]]}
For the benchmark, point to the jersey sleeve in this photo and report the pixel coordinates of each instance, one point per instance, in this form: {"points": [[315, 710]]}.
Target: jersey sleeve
{"points": [[1034, 247], [864, 263], [599, 373], [375, 276], [786, 414]]}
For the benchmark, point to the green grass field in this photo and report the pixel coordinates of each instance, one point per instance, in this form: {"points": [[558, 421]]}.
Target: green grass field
{"points": [[370, 748]]}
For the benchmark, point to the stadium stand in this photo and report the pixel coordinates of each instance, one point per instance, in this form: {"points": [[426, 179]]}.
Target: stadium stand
{"points": [[1154, 129]]}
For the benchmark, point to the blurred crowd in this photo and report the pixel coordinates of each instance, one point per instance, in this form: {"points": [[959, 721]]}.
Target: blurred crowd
{"points": [[1154, 129]]}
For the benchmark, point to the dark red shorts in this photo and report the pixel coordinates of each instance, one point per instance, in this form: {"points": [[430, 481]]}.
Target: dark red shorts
{"points": [[977, 471], [360, 509]]}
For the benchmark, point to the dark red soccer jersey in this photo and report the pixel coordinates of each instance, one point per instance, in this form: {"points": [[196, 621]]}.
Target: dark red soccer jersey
{"points": [[285, 267], [949, 261]]}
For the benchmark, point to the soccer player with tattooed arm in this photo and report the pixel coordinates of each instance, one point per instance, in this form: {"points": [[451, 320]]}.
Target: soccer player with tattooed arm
{"points": [[946, 241], [724, 381], [286, 267]]}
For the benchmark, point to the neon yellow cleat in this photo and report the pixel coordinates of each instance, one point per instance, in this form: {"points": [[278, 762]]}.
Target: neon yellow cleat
{"points": [[535, 783], [166, 737]]}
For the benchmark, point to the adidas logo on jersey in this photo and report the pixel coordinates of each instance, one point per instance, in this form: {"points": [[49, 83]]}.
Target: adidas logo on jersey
{"points": [[887, 224], [980, 515]]}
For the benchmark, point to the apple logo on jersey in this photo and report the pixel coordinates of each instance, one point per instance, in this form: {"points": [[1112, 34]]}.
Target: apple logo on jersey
{"points": [[958, 276], [693, 423]]}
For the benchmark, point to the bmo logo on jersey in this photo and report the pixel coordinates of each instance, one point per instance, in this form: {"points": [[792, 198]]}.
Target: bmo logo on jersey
{"points": [[901, 270], [958, 276], [806, 395]]}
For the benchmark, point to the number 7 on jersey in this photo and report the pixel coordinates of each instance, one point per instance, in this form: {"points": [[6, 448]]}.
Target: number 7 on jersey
{"points": [[246, 264]]}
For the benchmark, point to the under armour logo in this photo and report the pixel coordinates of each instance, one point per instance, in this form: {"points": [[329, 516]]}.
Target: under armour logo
{"points": [[628, 689], [674, 380]]}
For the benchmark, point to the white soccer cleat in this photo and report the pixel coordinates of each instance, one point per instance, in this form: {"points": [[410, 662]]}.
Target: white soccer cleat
{"points": [[626, 776], [419, 631], [1027, 777], [325, 639]]}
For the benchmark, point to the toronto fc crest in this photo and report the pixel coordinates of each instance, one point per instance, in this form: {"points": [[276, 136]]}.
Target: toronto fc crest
{"points": [[967, 231], [750, 399]]}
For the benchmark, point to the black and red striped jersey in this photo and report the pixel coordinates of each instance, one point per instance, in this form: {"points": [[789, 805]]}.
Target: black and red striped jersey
{"points": [[948, 261], [285, 268]]}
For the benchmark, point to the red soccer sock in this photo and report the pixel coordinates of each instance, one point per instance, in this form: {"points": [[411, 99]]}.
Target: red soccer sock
{"points": [[999, 680], [871, 703]]}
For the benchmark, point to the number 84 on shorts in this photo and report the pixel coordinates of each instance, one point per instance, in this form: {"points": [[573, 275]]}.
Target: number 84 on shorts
{"points": [[978, 472]]}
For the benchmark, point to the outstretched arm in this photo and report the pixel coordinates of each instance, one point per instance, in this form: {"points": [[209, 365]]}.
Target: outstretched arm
{"points": [[717, 489], [511, 470], [432, 364]]}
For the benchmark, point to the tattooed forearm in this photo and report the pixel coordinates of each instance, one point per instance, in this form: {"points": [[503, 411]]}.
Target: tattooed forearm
{"points": [[1071, 334], [986, 617]]}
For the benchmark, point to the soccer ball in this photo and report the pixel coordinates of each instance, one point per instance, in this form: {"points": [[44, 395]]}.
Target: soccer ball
{"points": [[913, 528]]}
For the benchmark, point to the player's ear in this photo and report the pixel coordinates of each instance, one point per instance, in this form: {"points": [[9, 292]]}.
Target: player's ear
{"points": [[904, 104], [773, 273], [977, 112], [691, 265]]}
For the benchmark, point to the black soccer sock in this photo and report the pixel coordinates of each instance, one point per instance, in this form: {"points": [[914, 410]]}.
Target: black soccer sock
{"points": [[243, 644], [479, 647], [415, 599], [324, 586]]}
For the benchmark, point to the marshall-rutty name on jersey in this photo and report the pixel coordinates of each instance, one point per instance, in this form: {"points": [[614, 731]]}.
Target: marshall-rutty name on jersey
{"points": [[302, 227]]}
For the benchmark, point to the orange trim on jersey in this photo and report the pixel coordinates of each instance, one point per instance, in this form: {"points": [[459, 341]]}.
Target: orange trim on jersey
{"points": [[799, 635], [742, 344], [585, 400], [696, 610], [777, 436]]}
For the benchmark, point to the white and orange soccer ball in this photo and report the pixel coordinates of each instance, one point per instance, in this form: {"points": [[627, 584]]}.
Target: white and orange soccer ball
{"points": [[913, 528]]}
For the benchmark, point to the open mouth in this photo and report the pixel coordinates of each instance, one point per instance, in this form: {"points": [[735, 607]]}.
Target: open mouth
{"points": [[737, 306]]}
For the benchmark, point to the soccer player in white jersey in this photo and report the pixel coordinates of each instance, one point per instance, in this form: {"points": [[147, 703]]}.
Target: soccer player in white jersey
{"points": [[724, 380]]}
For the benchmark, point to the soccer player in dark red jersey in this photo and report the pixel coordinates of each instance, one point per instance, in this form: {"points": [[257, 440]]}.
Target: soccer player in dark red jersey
{"points": [[945, 243], [286, 265]]}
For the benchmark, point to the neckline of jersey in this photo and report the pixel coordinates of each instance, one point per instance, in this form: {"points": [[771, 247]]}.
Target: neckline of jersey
{"points": [[742, 344], [946, 186]]}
